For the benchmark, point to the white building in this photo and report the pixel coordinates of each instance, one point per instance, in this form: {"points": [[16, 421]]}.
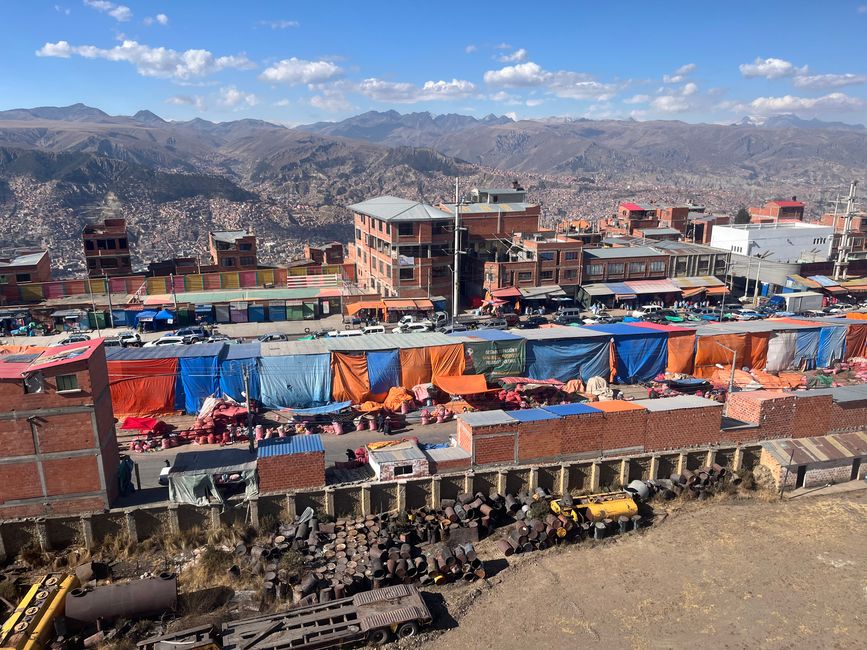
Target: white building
{"points": [[789, 242]]}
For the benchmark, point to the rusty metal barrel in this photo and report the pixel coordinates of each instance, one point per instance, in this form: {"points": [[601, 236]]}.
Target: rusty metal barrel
{"points": [[128, 600]]}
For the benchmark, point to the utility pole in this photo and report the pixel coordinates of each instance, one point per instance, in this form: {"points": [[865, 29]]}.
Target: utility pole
{"points": [[174, 295], [758, 277], [110, 306], [246, 376], [93, 306], [841, 265], [457, 270]]}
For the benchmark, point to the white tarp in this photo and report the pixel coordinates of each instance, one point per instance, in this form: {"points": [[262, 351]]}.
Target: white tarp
{"points": [[781, 351]]}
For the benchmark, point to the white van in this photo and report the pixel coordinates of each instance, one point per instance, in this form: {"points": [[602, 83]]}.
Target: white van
{"points": [[646, 310], [342, 333], [373, 329], [569, 312]]}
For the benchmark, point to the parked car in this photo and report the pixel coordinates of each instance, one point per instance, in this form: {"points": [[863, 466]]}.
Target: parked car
{"points": [[410, 328], [641, 312], [344, 333], [454, 327], [72, 338], [533, 322], [373, 329], [569, 319], [664, 316], [495, 324], [511, 319], [129, 338], [112, 342], [269, 338], [748, 314], [169, 339], [192, 334], [220, 338]]}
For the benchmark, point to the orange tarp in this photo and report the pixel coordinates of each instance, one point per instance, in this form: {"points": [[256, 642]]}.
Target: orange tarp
{"points": [[21, 349], [397, 395], [758, 345], [751, 349], [722, 376], [142, 386], [615, 406], [856, 315], [356, 307], [349, 376], [462, 384], [681, 346], [856, 340], [612, 361], [414, 367], [446, 360], [785, 380]]}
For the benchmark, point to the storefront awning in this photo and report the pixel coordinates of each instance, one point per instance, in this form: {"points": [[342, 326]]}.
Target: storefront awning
{"points": [[506, 292], [697, 291], [423, 303], [356, 307], [398, 303], [625, 296], [717, 291], [835, 289]]}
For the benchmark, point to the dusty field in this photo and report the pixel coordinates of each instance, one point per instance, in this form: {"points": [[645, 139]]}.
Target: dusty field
{"points": [[735, 572]]}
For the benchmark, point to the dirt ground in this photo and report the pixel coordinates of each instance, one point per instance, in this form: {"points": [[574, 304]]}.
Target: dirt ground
{"points": [[737, 572]]}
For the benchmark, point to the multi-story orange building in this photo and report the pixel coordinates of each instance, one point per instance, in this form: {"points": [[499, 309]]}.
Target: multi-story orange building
{"points": [[233, 250], [540, 259], [778, 210], [106, 248]]}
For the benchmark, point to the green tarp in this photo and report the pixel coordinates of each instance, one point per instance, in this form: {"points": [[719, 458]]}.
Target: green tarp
{"points": [[495, 359]]}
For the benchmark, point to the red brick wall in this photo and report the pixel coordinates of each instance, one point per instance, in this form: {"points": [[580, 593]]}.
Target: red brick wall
{"points": [[19, 481], [465, 437], [291, 472], [849, 416], [812, 416], [582, 433], [683, 427], [456, 465], [69, 506], [541, 439], [624, 429], [495, 449], [71, 475]]}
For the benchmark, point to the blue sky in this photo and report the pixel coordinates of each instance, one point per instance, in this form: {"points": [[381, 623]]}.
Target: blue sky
{"points": [[298, 62]]}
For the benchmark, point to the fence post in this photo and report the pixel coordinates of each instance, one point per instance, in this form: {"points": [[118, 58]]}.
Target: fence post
{"points": [[564, 479], [435, 490]]}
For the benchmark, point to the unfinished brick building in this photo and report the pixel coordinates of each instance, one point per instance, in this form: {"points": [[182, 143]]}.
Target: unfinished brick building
{"points": [[57, 435]]}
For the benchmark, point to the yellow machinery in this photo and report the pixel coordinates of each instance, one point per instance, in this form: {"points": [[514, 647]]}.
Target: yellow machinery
{"points": [[596, 507], [31, 625]]}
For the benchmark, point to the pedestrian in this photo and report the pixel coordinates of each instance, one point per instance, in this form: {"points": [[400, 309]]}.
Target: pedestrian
{"points": [[386, 425], [350, 456], [380, 421]]}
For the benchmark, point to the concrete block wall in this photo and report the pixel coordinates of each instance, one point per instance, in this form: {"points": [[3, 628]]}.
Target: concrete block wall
{"points": [[291, 472]]}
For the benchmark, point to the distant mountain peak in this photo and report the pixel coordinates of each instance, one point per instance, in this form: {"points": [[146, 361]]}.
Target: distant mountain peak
{"points": [[149, 117], [792, 121]]}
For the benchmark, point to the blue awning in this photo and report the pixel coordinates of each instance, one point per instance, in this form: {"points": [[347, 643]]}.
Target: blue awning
{"points": [[164, 314], [323, 410], [145, 316]]}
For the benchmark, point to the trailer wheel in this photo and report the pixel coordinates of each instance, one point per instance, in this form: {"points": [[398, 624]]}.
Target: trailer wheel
{"points": [[407, 630], [379, 637]]}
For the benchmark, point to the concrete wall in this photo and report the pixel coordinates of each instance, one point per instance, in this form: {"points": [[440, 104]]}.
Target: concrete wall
{"points": [[817, 474], [574, 477]]}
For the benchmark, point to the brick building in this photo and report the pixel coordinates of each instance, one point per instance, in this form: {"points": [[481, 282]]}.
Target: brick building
{"points": [[626, 263], [326, 254], [857, 232], [540, 259], [292, 463], [57, 435], [816, 461], [233, 250], [699, 227], [778, 210], [25, 266], [106, 248], [629, 217]]}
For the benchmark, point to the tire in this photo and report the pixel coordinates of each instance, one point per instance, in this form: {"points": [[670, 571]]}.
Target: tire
{"points": [[407, 630], [379, 637]]}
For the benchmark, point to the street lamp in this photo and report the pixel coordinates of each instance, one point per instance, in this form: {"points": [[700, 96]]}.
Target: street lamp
{"points": [[731, 375], [761, 258]]}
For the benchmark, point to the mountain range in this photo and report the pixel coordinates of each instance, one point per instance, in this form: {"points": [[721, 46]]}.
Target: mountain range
{"points": [[61, 167]]}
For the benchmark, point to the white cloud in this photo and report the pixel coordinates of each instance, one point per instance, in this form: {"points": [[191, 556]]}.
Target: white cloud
{"points": [[231, 97], [829, 80], [408, 93], [188, 100], [296, 71], [771, 69], [120, 13], [680, 74], [469, 49], [159, 19], [862, 9], [675, 100], [62, 10], [831, 103], [503, 46], [152, 61], [283, 102], [279, 24], [637, 99], [688, 89], [571, 85], [515, 57], [512, 115], [535, 102], [332, 101]]}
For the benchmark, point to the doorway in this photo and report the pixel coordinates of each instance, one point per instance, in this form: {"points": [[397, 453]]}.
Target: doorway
{"points": [[802, 475], [856, 467]]}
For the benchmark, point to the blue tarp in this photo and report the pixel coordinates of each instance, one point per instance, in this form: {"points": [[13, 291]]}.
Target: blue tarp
{"points": [[641, 353], [490, 335], [324, 410], [164, 314], [566, 359], [807, 348], [532, 415], [383, 369], [298, 381], [198, 379], [832, 344], [145, 315], [233, 361], [561, 410]]}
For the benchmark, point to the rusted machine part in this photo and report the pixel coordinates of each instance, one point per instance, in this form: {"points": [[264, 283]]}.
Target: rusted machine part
{"points": [[309, 584], [469, 551], [505, 548], [129, 600]]}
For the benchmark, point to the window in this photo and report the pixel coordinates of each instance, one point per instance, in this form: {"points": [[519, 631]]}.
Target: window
{"points": [[229, 261], [363, 218], [100, 244], [364, 257], [388, 229], [34, 383], [547, 275], [403, 470], [569, 274], [121, 243], [546, 256], [91, 264], [248, 260], [109, 263], [405, 229], [439, 271], [357, 235], [616, 268], [88, 245], [637, 267], [658, 267], [381, 266], [66, 382], [22, 277], [571, 255], [112, 244], [245, 247], [594, 269], [525, 276], [4, 279], [407, 273], [438, 228]]}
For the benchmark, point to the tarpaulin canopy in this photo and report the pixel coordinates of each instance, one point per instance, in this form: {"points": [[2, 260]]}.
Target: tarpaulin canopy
{"points": [[349, 377], [496, 357], [781, 350], [832, 339], [856, 339], [566, 359], [233, 362], [192, 477], [681, 345], [336, 407], [295, 381], [199, 378], [807, 348], [143, 387], [641, 354], [164, 314], [139, 424], [145, 316], [383, 370], [751, 349], [447, 360], [506, 292], [414, 367], [461, 384]]}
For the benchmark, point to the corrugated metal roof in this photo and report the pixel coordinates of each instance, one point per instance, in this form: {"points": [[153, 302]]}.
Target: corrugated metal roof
{"points": [[442, 454], [489, 208], [362, 343], [239, 295], [561, 410], [559, 332], [491, 335], [698, 281], [675, 403], [652, 286], [486, 418], [213, 460], [165, 352], [405, 451], [242, 351], [597, 289], [819, 449], [393, 208], [624, 329], [532, 415], [229, 236], [856, 393], [26, 259], [298, 444], [614, 253], [650, 232]]}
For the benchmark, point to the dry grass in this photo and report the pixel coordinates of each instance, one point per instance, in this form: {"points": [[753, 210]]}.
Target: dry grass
{"points": [[34, 557]]}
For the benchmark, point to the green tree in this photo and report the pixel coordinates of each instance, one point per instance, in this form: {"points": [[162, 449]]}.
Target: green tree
{"points": [[742, 216]]}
